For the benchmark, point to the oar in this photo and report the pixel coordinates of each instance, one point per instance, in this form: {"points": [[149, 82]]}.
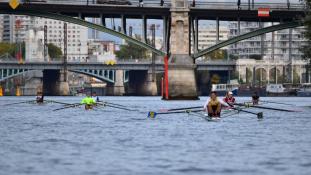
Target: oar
{"points": [[152, 114], [263, 107], [20, 102], [259, 115], [66, 107], [58, 102], [117, 107], [177, 109], [112, 104], [70, 104], [276, 103]]}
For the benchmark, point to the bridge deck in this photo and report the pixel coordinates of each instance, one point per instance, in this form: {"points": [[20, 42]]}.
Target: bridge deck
{"points": [[213, 65], [207, 11]]}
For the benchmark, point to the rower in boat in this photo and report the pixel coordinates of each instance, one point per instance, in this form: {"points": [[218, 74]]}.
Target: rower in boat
{"points": [[213, 106], [255, 98], [229, 99], [40, 97], [95, 97], [88, 102]]}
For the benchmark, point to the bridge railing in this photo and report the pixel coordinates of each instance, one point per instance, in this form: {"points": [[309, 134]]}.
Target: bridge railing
{"points": [[244, 6], [146, 3], [200, 4]]}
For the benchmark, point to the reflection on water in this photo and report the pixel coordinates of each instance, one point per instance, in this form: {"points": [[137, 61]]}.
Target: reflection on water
{"points": [[36, 140]]}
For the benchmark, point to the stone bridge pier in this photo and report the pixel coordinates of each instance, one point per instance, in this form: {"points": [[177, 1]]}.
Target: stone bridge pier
{"points": [[54, 83], [181, 72], [117, 89], [141, 83]]}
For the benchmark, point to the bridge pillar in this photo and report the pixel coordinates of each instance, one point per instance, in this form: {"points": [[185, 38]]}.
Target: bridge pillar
{"points": [[53, 83], [181, 74], [149, 87], [63, 86], [142, 83], [118, 87]]}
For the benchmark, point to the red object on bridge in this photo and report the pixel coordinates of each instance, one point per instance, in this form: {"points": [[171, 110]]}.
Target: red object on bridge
{"points": [[166, 76], [263, 12]]}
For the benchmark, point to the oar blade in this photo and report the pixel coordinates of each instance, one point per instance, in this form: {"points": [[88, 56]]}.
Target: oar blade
{"points": [[260, 115], [152, 114]]}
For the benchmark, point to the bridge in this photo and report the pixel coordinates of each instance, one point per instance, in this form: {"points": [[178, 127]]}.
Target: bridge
{"points": [[142, 65], [180, 28]]}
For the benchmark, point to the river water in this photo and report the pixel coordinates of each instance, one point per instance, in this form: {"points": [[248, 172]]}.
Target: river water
{"points": [[36, 140]]}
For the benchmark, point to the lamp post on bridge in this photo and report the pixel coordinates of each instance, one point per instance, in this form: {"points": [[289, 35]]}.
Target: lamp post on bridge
{"points": [[65, 52]]}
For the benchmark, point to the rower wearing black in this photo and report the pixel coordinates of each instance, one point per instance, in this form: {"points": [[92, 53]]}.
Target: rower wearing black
{"points": [[255, 98], [213, 105], [95, 97], [40, 97]]}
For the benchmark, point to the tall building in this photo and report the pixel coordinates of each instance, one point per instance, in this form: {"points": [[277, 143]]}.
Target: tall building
{"points": [[279, 45], [1, 27], [15, 29], [208, 36], [77, 37]]}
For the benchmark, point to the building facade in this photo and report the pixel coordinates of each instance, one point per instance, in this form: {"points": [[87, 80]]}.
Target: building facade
{"points": [[208, 36], [281, 45], [1, 27], [16, 29]]}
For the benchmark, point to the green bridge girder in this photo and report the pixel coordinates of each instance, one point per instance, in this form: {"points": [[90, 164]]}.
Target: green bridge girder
{"points": [[248, 35], [103, 75], [81, 22]]}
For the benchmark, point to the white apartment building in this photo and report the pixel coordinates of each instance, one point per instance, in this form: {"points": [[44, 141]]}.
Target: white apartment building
{"points": [[101, 51], [15, 29], [208, 36], [77, 37], [1, 27], [275, 45]]}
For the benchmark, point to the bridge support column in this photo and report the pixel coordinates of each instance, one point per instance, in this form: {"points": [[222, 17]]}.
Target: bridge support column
{"points": [[181, 73], [182, 83], [118, 88], [53, 83], [62, 86], [149, 87], [140, 83]]}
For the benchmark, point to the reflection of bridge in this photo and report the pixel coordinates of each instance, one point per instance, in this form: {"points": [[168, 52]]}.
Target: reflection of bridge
{"points": [[180, 23]]}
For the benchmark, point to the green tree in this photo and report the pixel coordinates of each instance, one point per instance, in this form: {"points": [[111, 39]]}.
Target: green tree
{"points": [[132, 51], [218, 54], [11, 49], [6, 48], [215, 79], [54, 51]]}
